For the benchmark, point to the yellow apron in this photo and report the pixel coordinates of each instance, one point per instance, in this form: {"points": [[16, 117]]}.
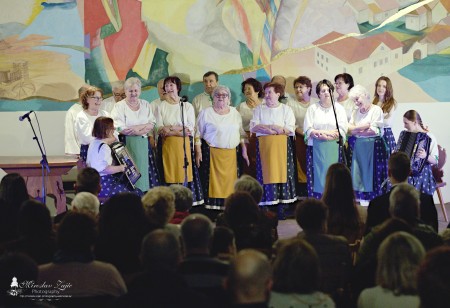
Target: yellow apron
{"points": [[273, 153], [173, 159], [222, 172]]}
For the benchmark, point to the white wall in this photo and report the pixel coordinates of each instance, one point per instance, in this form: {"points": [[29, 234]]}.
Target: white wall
{"points": [[16, 136]]}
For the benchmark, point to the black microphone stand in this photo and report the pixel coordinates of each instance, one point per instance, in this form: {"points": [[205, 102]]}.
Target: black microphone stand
{"points": [[341, 139], [43, 162], [186, 163]]}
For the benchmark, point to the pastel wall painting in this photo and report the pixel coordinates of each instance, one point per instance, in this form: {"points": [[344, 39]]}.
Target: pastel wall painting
{"points": [[49, 49]]}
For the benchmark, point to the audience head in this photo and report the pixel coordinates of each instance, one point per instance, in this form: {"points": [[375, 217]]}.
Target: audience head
{"points": [[88, 180], [210, 81], [398, 257], [311, 215], [13, 190], [19, 266], [196, 233], [103, 127], [404, 202], [223, 242], [159, 205], [87, 203], [34, 219], [251, 83], [338, 191], [433, 281], [76, 234], [160, 250], [88, 93], [250, 277], [296, 268], [445, 235], [251, 185], [183, 197], [399, 167], [241, 210]]}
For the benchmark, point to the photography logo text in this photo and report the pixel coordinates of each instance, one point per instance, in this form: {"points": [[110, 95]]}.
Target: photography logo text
{"points": [[42, 290]]}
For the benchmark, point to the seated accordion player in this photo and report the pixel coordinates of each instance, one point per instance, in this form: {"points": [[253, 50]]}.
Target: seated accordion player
{"points": [[410, 143]]}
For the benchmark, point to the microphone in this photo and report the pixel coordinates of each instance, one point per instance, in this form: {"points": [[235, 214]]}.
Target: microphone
{"points": [[183, 99], [26, 115]]}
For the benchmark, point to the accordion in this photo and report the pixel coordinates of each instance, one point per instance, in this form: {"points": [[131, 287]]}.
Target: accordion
{"points": [[123, 157], [410, 143]]}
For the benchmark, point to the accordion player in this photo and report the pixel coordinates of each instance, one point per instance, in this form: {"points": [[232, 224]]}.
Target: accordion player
{"points": [[411, 143]]}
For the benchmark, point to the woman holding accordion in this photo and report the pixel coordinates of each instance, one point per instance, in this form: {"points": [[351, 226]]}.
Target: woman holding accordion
{"points": [[99, 157]]}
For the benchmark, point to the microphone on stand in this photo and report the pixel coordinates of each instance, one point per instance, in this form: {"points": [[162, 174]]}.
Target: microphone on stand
{"points": [[183, 99], [26, 115]]}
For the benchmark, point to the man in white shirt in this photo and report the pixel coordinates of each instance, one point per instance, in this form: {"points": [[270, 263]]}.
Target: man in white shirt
{"points": [[71, 142], [281, 80], [204, 100]]}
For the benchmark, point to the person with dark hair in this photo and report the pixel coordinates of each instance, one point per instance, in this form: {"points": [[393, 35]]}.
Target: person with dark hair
{"points": [[274, 125], [343, 216], [399, 168], [99, 157], [74, 261], [296, 279], [433, 279], [135, 121], [253, 92], [205, 99], [398, 257], [201, 271], [249, 280], [122, 226], [384, 98], [217, 152], [35, 233], [13, 192], [183, 203], [344, 83], [321, 134], [18, 267], [422, 180], [333, 251], [88, 180], [223, 244], [173, 141], [159, 284], [368, 152], [302, 87], [91, 100]]}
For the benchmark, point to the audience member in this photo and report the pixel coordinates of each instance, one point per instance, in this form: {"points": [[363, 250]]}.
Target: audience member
{"points": [[122, 226], [183, 202], [88, 180], [434, 279], [399, 168], [87, 203], [398, 257], [159, 285], [296, 280], [249, 280], [201, 271], [333, 251], [343, 216], [35, 233], [74, 261], [13, 192], [223, 245]]}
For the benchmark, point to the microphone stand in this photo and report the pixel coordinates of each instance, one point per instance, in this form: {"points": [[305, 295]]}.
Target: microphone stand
{"points": [[341, 139], [43, 162], [186, 163]]}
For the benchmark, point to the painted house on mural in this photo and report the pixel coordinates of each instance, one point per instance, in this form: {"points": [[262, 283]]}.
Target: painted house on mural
{"points": [[404, 3], [417, 19], [380, 10], [437, 39], [365, 57], [437, 10], [360, 10]]}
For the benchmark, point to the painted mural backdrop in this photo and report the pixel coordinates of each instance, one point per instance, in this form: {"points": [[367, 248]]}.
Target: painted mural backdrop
{"points": [[49, 49]]}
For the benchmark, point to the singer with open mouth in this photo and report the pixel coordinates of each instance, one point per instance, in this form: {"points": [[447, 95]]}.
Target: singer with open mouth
{"points": [[175, 122], [321, 135], [134, 120]]}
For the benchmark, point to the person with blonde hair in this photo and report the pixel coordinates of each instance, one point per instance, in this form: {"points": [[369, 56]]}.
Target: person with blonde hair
{"points": [[159, 206], [399, 256], [86, 202]]}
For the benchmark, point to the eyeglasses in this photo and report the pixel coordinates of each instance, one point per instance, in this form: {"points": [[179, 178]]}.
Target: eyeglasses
{"points": [[122, 95], [97, 98], [221, 95]]}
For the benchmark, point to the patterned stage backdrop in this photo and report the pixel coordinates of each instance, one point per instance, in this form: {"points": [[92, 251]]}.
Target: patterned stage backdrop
{"points": [[49, 49]]}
